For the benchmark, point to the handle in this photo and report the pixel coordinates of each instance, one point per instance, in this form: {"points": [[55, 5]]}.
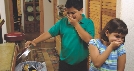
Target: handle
{"points": [[30, 46]]}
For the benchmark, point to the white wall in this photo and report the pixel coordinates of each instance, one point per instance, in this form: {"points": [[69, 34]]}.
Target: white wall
{"points": [[118, 8], [84, 6], [62, 2], [3, 16], [48, 15], [126, 14]]}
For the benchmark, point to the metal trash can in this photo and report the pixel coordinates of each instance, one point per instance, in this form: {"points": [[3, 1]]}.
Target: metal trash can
{"points": [[31, 64]]}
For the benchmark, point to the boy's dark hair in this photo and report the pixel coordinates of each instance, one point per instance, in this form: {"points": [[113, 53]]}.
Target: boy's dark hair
{"points": [[77, 4], [114, 26]]}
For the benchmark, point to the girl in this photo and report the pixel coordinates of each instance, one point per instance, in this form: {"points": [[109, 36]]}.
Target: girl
{"points": [[108, 52]]}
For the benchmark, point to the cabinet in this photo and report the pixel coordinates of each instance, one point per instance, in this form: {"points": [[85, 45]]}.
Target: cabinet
{"points": [[32, 17], [57, 38]]}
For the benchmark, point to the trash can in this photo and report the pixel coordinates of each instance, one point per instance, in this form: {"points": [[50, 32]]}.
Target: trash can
{"points": [[23, 65], [31, 66]]}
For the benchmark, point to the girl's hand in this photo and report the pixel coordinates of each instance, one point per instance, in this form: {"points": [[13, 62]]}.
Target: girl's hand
{"points": [[116, 44]]}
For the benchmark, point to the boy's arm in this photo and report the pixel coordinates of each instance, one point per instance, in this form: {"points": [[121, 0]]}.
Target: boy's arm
{"points": [[83, 34], [42, 37], [53, 31], [121, 62]]}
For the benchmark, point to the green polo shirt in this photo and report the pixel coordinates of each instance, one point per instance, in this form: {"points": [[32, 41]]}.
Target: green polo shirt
{"points": [[73, 48]]}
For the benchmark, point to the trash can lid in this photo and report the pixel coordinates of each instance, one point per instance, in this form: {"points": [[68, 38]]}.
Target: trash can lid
{"points": [[23, 54]]}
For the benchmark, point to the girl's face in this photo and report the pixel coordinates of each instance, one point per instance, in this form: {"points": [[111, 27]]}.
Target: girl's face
{"points": [[74, 13], [115, 37]]}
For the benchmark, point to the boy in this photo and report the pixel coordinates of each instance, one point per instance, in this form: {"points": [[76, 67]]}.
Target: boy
{"points": [[76, 31]]}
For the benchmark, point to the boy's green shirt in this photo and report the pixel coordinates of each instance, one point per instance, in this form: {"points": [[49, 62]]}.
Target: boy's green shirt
{"points": [[73, 48]]}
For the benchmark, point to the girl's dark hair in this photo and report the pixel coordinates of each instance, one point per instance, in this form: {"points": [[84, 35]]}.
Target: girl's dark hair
{"points": [[114, 26], [77, 4]]}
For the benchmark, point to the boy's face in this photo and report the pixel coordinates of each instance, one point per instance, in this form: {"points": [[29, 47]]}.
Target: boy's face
{"points": [[74, 13]]}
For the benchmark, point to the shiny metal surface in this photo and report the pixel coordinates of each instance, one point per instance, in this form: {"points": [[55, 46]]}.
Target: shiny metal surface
{"points": [[24, 54]]}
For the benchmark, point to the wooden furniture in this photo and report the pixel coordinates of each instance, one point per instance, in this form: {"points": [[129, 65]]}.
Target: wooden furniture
{"points": [[57, 38], [15, 37], [101, 11], [58, 43], [1, 40], [32, 14], [10, 15], [7, 57], [17, 24], [1, 23]]}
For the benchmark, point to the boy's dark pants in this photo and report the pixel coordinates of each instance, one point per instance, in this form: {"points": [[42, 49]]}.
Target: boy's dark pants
{"points": [[82, 66]]}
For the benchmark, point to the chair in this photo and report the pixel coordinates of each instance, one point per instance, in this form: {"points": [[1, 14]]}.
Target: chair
{"points": [[16, 37]]}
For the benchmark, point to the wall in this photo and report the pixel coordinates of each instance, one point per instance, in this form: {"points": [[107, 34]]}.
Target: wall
{"points": [[126, 14], [118, 8], [3, 16], [84, 7], [48, 15], [62, 2]]}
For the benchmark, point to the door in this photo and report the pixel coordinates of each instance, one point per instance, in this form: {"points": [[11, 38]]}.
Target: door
{"points": [[101, 11]]}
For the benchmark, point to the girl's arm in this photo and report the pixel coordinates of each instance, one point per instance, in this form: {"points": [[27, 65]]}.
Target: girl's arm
{"points": [[97, 58], [121, 62]]}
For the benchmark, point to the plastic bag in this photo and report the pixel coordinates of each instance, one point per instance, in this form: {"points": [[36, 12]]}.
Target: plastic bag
{"points": [[38, 65]]}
